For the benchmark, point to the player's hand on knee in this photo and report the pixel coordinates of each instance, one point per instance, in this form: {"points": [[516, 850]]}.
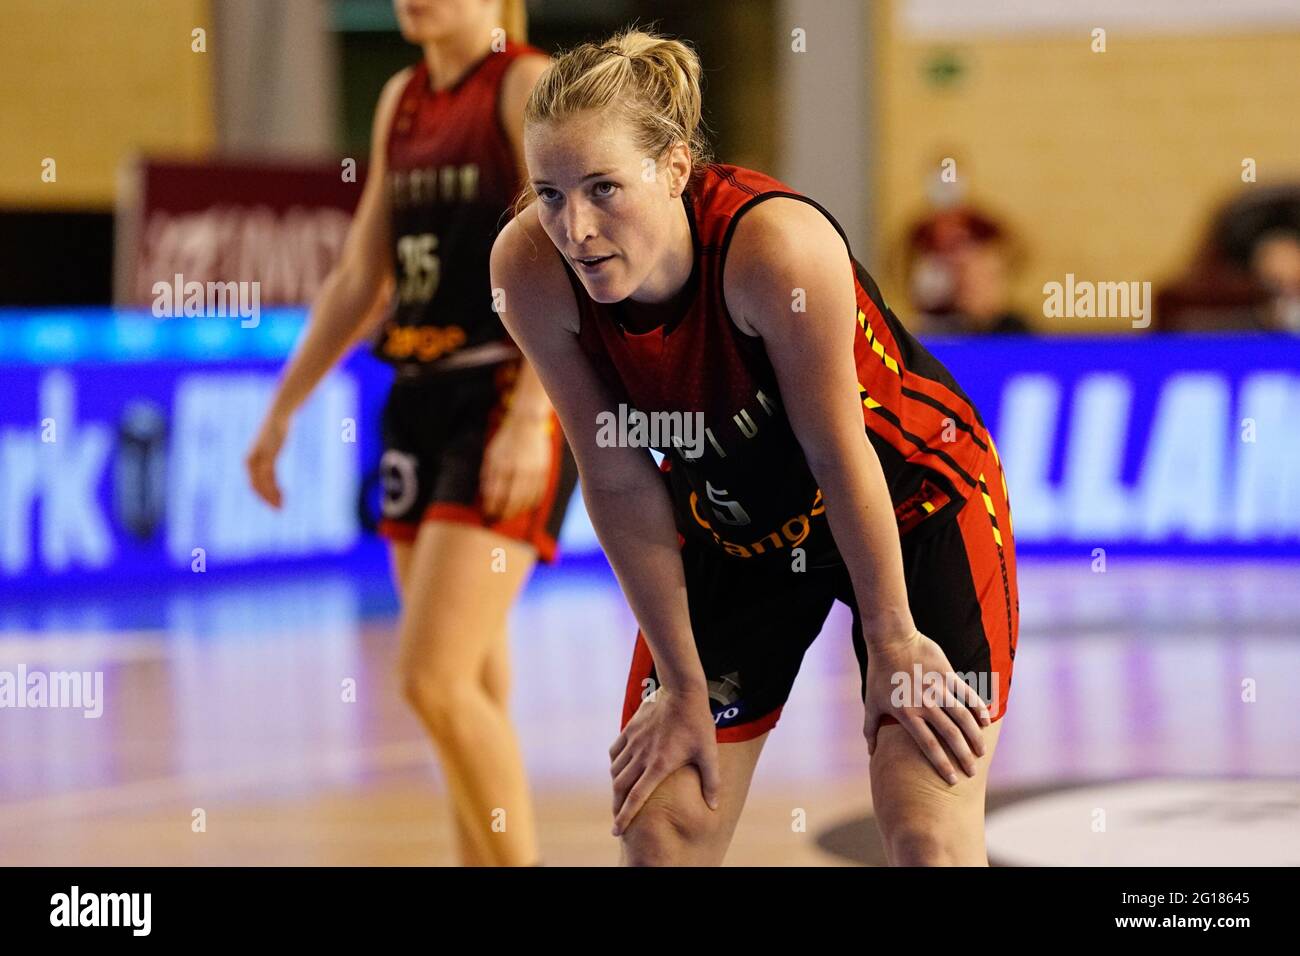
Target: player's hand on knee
{"points": [[942, 707], [670, 730]]}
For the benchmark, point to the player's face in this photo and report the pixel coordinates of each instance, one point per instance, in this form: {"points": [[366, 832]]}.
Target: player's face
{"points": [[608, 209], [426, 21]]}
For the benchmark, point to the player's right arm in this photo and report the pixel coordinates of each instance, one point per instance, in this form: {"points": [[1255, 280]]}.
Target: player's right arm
{"points": [[345, 301], [630, 511]]}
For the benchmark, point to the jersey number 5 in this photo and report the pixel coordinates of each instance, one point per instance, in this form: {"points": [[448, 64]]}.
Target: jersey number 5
{"points": [[726, 510]]}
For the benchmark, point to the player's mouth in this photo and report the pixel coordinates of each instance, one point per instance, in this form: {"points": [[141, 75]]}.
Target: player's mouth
{"points": [[591, 264]]}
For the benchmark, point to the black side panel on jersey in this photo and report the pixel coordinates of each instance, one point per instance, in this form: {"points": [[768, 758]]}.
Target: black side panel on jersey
{"points": [[915, 358]]}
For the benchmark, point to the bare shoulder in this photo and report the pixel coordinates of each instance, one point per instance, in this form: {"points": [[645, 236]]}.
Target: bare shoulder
{"points": [[386, 105], [524, 260], [779, 245], [516, 86], [778, 232], [521, 76], [394, 86]]}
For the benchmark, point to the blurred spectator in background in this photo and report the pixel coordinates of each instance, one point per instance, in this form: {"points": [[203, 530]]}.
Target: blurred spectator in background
{"points": [[1246, 275], [958, 266], [1275, 263]]}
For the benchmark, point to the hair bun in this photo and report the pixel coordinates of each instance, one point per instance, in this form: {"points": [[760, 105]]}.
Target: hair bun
{"points": [[653, 81]]}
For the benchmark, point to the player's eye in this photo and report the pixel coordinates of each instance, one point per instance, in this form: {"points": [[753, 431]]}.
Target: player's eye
{"points": [[548, 195], [603, 190]]}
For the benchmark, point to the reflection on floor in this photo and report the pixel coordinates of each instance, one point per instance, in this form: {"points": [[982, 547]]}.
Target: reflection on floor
{"points": [[234, 700]]}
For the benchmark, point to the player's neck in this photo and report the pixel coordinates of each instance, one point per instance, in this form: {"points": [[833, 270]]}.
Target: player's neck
{"points": [[449, 58], [668, 280]]}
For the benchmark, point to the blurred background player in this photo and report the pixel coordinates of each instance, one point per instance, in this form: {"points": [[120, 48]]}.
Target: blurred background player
{"points": [[476, 475]]}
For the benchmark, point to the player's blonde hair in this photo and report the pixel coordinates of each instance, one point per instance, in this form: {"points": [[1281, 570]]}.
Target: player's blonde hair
{"points": [[650, 80]]}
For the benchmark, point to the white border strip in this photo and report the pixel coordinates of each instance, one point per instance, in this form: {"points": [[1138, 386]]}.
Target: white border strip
{"points": [[928, 19]]}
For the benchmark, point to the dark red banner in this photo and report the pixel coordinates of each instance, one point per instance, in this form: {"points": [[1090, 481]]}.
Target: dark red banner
{"points": [[279, 224]]}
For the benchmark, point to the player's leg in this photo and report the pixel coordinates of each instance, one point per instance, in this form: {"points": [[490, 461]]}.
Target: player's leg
{"points": [[453, 633], [752, 625], [463, 574], [677, 828], [962, 593], [406, 479], [496, 682]]}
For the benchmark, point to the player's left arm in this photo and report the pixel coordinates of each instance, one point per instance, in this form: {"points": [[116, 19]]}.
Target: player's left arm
{"points": [[788, 278], [785, 257]]}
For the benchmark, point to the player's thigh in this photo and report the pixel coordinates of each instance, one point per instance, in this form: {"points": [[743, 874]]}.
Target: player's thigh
{"points": [[752, 625], [461, 582], [399, 563], [677, 808]]}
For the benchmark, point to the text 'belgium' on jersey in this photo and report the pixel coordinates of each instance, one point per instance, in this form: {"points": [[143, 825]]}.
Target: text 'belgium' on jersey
{"points": [[451, 180]]}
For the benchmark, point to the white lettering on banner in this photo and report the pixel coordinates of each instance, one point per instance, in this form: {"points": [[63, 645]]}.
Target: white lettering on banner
{"points": [[288, 253], [1195, 479], [1094, 499], [61, 478], [210, 504], [1183, 484], [1031, 405], [1267, 478]]}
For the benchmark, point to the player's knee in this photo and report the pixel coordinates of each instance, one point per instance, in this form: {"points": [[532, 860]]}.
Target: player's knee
{"points": [[441, 702], [665, 831], [496, 681], [919, 845]]}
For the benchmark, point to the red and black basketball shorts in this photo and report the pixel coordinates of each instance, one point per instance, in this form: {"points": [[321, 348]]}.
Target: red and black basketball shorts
{"points": [[436, 429], [753, 621]]}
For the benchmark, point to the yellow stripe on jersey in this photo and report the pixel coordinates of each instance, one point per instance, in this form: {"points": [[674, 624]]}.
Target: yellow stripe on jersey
{"points": [[993, 515], [877, 346]]}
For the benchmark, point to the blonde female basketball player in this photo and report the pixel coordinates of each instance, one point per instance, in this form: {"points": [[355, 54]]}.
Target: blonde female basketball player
{"points": [[473, 460], [643, 276]]}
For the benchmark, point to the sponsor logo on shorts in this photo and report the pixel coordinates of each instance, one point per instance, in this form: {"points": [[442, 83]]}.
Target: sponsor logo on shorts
{"points": [[400, 485], [724, 695]]}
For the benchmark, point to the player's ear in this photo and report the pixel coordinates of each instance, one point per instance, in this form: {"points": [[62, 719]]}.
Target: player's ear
{"points": [[678, 168]]}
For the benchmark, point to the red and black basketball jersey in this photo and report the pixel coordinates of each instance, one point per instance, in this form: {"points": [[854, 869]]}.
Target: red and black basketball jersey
{"points": [[746, 486], [451, 179]]}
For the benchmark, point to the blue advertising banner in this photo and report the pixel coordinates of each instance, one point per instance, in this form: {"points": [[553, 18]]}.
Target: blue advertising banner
{"points": [[1157, 444], [122, 443], [128, 468]]}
